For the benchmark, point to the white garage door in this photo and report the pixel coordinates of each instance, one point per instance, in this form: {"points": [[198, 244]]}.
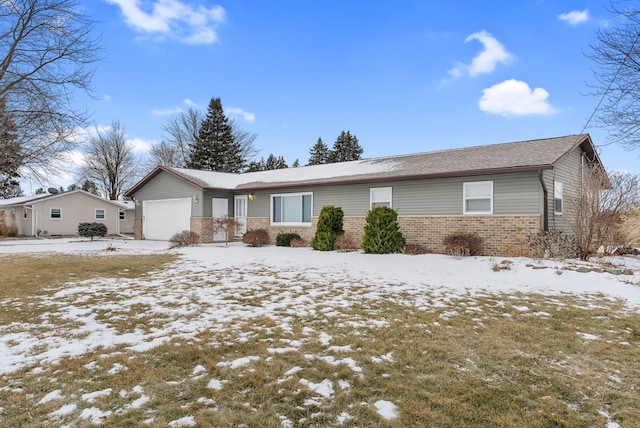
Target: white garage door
{"points": [[164, 218]]}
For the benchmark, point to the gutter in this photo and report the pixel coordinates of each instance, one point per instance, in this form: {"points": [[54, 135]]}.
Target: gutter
{"points": [[545, 203]]}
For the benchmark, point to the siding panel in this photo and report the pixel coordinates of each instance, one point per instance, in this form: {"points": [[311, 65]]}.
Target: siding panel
{"points": [[165, 186]]}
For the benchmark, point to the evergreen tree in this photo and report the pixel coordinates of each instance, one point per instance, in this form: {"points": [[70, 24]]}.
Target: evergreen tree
{"points": [[346, 148], [91, 187], [216, 148], [275, 163], [319, 153], [272, 162], [10, 155], [295, 164]]}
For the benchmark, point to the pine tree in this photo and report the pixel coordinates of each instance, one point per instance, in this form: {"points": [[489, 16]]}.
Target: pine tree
{"points": [[295, 164], [272, 162], [215, 148], [10, 155], [319, 153], [346, 148]]}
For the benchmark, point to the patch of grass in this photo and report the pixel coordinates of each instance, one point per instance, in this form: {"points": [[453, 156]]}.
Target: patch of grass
{"points": [[519, 360]]}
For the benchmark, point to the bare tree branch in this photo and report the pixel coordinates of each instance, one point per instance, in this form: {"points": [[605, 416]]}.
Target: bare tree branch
{"points": [[46, 49], [110, 162]]}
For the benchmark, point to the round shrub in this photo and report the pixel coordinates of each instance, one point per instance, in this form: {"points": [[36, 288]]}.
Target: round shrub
{"points": [[463, 244], [284, 239], [91, 230], [256, 238], [382, 232], [186, 238]]}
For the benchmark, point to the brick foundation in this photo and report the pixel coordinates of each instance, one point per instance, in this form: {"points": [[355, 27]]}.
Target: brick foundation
{"points": [[502, 234], [137, 228], [203, 226]]}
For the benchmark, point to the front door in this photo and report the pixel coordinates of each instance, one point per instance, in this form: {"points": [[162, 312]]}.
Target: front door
{"points": [[240, 212], [220, 209]]}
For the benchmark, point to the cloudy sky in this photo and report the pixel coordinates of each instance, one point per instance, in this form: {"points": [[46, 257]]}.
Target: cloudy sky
{"points": [[403, 77]]}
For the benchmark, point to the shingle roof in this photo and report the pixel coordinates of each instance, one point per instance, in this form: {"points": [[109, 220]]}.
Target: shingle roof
{"points": [[492, 159]]}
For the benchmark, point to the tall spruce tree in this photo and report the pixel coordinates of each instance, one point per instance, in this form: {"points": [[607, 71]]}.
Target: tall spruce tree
{"points": [[216, 148], [10, 155], [346, 148], [319, 153]]}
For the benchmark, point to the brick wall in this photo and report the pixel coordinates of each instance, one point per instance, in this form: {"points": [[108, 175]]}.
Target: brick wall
{"points": [[502, 234], [203, 226], [137, 228]]}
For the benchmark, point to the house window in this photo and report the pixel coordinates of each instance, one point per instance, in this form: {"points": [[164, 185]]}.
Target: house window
{"points": [[558, 200], [478, 197], [55, 213], [24, 213], [380, 196], [291, 209], [121, 215], [99, 214]]}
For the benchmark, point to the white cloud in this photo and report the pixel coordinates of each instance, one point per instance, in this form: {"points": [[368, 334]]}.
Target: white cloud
{"points": [[515, 98], [173, 18], [235, 111], [140, 145], [486, 61], [575, 17], [166, 111]]}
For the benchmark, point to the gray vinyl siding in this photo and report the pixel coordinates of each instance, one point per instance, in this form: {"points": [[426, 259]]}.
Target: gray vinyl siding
{"points": [[165, 186], [568, 172], [513, 194]]}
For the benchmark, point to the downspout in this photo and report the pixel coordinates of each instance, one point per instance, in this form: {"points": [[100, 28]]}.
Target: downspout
{"points": [[545, 203]]}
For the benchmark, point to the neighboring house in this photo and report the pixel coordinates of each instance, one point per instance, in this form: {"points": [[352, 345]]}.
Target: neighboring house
{"points": [[60, 213], [503, 192]]}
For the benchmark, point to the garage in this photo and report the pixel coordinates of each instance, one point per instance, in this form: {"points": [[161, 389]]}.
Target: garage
{"points": [[164, 218]]}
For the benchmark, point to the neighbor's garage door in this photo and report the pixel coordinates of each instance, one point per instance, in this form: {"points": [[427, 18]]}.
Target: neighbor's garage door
{"points": [[162, 219]]}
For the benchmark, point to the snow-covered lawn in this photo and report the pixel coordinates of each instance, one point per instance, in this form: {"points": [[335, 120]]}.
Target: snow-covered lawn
{"points": [[232, 296]]}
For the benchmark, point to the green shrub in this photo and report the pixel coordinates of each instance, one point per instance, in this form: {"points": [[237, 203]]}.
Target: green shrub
{"points": [[328, 229], [91, 230], [284, 239], [463, 243], [256, 238], [382, 232]]}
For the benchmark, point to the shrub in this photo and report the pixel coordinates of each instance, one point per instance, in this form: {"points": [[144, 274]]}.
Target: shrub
{"points": [[186, 238], [328, 229], [91, 230], [382, 233], [552, 244], [284, 239], [298, 243], [346, 242], [415, 249], [12, 231], [256, 238], [463, 243]]}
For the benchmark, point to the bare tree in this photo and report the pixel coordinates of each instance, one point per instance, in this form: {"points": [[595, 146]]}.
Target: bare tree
{"points": [[46, 50], [617, 78], [598, 209], [631, 227], [181, 134], [110, 162], [225, 225]]}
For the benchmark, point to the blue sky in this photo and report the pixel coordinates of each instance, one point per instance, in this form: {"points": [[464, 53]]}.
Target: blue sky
{"points": [[404, 77]]}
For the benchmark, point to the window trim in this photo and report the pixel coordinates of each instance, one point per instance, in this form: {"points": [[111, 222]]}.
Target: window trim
{"points": [[558, 189], [104, 214], [465, 198], [380, 202], [289, 223], [51, 213]]}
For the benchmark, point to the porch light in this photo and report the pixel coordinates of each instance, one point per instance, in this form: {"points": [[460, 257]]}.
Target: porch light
{"points": [[195, 199], [252, 196]]}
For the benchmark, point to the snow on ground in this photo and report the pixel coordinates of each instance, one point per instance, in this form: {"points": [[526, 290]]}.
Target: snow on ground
{"points": [[184, 303]]}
